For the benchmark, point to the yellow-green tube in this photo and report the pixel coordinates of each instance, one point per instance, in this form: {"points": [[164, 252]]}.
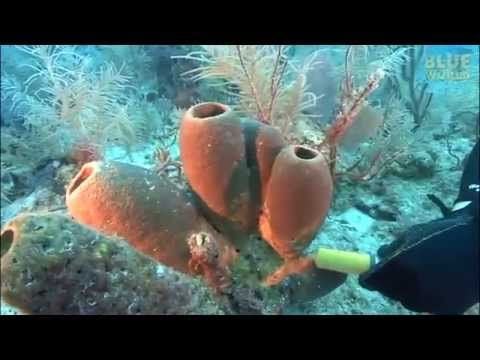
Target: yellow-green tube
{"points": [[347, 262]]}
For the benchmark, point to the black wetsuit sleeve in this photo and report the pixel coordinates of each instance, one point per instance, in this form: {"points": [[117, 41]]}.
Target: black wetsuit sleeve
{"points": [[434, 267]]}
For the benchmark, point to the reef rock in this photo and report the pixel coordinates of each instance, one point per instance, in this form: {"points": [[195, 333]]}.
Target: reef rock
{"points": [[52, 265]]}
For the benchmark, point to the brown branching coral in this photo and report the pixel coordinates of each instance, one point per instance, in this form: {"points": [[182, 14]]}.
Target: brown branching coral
{"points": [[419, 99]]}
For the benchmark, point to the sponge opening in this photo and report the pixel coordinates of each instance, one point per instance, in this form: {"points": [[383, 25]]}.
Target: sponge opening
{"points": [[208, 110], [86, 171], [6, 241], [304, 153]]}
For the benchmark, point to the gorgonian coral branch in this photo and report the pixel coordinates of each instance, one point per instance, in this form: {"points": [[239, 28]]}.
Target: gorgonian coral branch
{"points": [[261, 114], [349, 112], [268, 87]]}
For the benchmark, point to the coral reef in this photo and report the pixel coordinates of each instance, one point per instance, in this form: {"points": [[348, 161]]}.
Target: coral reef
{"points": [[367, 111], [75, 104], [52, 265], [282, 193], [288, 230], [63, 94]]}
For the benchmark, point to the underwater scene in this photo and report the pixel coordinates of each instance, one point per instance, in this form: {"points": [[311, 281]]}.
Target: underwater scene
{"points": [[239, 179]]}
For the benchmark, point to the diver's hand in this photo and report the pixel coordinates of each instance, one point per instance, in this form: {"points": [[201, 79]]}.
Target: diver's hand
{"points": [[432, 268]]}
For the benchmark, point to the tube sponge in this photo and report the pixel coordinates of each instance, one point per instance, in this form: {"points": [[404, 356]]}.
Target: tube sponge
{"points": [[297, 200], [150, 212], [53, 265], [244, 172], [213, 157], [227, 161]]}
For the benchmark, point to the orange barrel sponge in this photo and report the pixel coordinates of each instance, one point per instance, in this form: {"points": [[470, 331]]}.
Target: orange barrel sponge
{"points": [[297, 200], [226, 161], [150, 212]]}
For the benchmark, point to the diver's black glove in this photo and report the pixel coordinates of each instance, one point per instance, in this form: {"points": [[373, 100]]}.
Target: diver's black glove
{"points": [[433, 267]]}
